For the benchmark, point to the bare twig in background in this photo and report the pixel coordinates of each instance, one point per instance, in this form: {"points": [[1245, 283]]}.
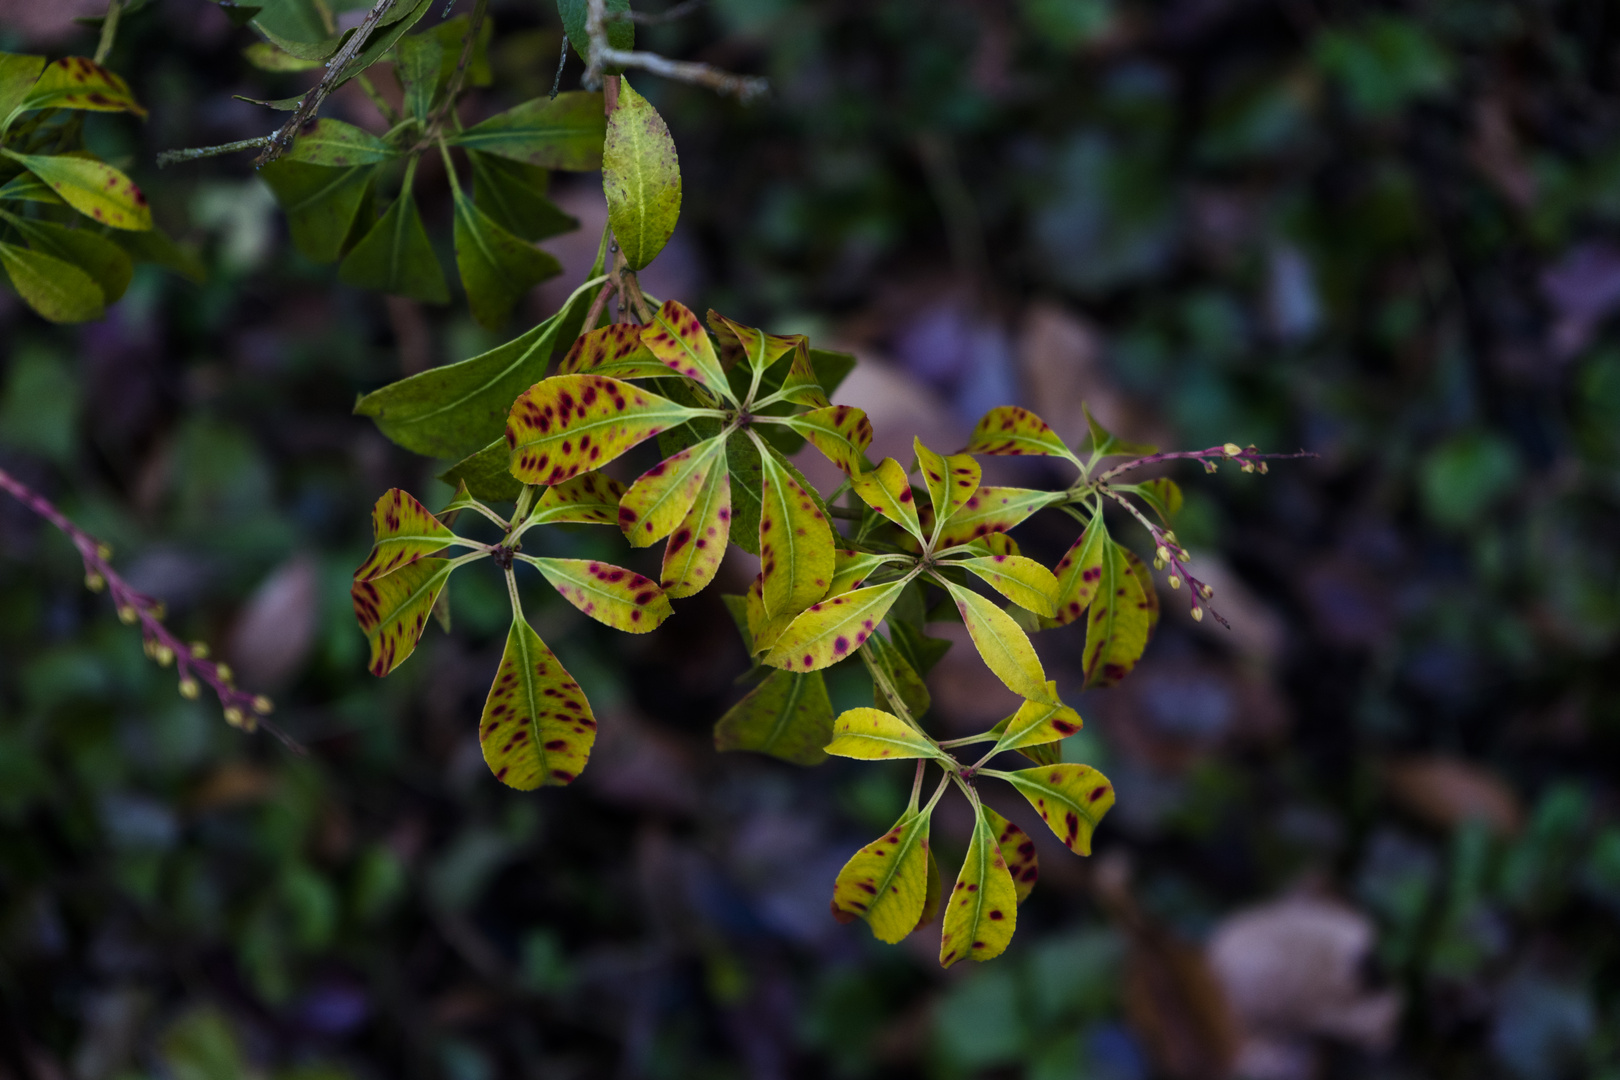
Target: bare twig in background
{"points": [[600, 55], [109, 30], [468, 43], [562, 62]]}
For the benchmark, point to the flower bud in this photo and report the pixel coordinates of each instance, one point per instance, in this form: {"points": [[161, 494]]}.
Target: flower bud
{"points": [[1247, 466], [1263, 469], [262, 705], [188, 688], [162, 654], [1158, 563], [104, 552], [127, 615], [94, 582], [1209, 467], [1198, 614], [234, 717], [1206, 590], [1163, 553], [1231, 449], [1175, 582], [199, 650], [223, 671]]}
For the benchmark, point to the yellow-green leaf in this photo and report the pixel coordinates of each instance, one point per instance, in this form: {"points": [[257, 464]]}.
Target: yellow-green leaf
{"points": [[497, 268], [663, 495], [841, 432], [1018, 850], [108, 265], [737, 341], [1010, 430], [564, 132], [1164, 495], [335, 144], [589, 498], [537, 728], [1149, 593], [1071, 799], [828, 631], [935, 893], [395, 256], [788, 716], [692, 556], [57, 290], [981, 911], [887, 490], [403, 532], [795, 542], [1036, 723], [641, 177], [568, 424], [268, 57], [616, 351], [1117, 628], [1079, 571], [680, 343], [1003, 645], [903, 678], [93, 188], [801, 385], [74, 82], [992, 510], [393, 610], [1104, 444], [611, 595], [850, 568], [950, 481], [875, 735], [763, 630], [886, 882], [18, 73], [1023, 581]]}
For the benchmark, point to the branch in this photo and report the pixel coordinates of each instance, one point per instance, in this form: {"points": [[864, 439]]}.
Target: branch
{"points": [[1247, 458], [599, 55], [109, 30], [468, 43]]}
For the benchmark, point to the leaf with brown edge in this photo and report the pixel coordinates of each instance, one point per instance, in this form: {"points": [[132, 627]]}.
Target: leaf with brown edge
{"points": [[739, 342], [75, 82], [795, 542], [902, 677], [1079, 572], [93, 188], [802, 385], [935, 893], [537, 728], [1036, 723], [393, 610], [616, 351], [696, 547], [590, 498], [841, 432], [569, 424], [850, 568], [1150, 594], [887, 490], [981, 911], [788, 716], [1004, 647], [886, 882], [404, 531], [951, 481], [1071, 799], [1117, 627], [677, 339], [611, 595], [992, 510], [1019, 852], [663, 495], [829, 630], [1009, 430], [876, 735], [1023, 581]]}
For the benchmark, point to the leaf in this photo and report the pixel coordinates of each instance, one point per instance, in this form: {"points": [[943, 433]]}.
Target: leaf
{"points": [[485, 474], [26, 187], [497, 268], [886, 882], [156, 246], [615, 350], [788, 716], [93, 188], [992, 510], [795, 542], [921, 651], [74, 82], [738, 341], [1079, 572], [334, 144], [763, 631], [692, 556], [566, 424], [661, 497], [537, 728], [458, 409], [887, 490], [982, 909], [267, 57], [1004, 647], [317, 48], [57, 290], [611, 595], [18, 74], [1149, 593], [850, 568], [513, 194], [396, 257], [876, 735], [1036, 723], [1023, 581], [678, 341], [841, 432], [589, 498], [389, 30], [451, 34], [949, 482], [1117, 628], [1009, 430], [1104, 444], [901, 675], [420, 57], [641, 177], [404, 531], [1164, 495], [828, 631], [621, 32], [108, 265], [321, 202], [564, 132], [1018, 850], [802, 385], [1071, 799], [393, 610]]}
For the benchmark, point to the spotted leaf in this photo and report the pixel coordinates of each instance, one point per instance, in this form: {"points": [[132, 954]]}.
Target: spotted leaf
{"points": [[537, 728], [616, 351], [841, 432], [1013, 431], [589, 498], [568, 424], [1023, 581], [1003, 645], [663, 495], [93, 188], [887, 490], [992, 510], [692, 556], [763, 630], [1019, 852], [404, 531], [981, 911], [795, 542], [1036, 723], [1117, 627], [393, 610], [680, 343], [788, 716], [1071, 799], [611, 595], [802, 385], [829, 630], [74, 82], [875, 735], [737, 342], [850, 568], [886, 882], [1149, 594], [951, 481], [1078, 573]]}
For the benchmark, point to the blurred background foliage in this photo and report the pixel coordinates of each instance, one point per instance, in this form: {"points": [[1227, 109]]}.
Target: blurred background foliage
{"points": [[1370, 831]]}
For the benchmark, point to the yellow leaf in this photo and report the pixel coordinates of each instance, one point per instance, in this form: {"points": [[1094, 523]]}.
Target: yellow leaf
{"points": [[1036, 723], [404, 531], [875, 735], [795, 542], [393, 610], [93, 188], [850, 568], [886, 882], [1071, 799], [1078, 573], [537, 728], [568, 424], [616, 351], [1019, 852], [589, 498], [1117, 628], [1003, 645], [664, 494], [887, 490], [1013, 431], [951, 481], [737, 341], [829, 630], [992, 510], [1023, 581], [611, 595], [981, 912], [679, 342], [75, 82], [692, 556], [841, 432]]}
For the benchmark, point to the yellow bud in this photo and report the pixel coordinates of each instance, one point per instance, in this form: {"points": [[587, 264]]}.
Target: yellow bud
{"points": [[199, 650], [1263, 469], [233, 716], [94, 582], [1169, 537], [127, 615], [1158, 563], [1198, 614], [1247, 466], [1231, 449], [262, 705], [1175, 582], [188, 688], [1163, 553], [104, 551], [158, 610], [223, 671], [162, 654], [1209, 467], [1207, 591]]}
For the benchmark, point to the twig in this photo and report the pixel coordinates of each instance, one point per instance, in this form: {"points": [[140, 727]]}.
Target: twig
{"points": [[562, 62], [170, 157], [601, 55], [642, 18], [109, 30], [453, 88], [1247, 457]]}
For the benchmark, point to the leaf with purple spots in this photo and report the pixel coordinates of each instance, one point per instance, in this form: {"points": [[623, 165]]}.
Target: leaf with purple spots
{"points": [[612, 595], [832, 629], [1003, 645], [663, 495], [615, 351], [841, 432], [569, 424], [1009, 430], [850, 568], [795, 542], [1150, 594], [1023, 581], [403, 531], [681, 344], [992, 510], [951, 481], [886, 882], [393, 610], [887, 490], [981, 911], [802, 385], [1118, 623], [74, 82], [788, 716], [588, 499], [1071, 799], [1036, 723], [537, 728], [1079, 572], [696, 547], [1018, 850], [875, 735], [93, 188], [738, 342]]}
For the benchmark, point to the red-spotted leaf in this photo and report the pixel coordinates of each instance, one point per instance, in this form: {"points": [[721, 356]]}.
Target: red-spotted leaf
{"points": [[841, 432], [788, 716], [569, 424], [1071, 799], [992, 510], [589, 498], [801, 385], [850, 568], [737, 342], [94, 189], [612, 595], [887, 490], [404, 531], [763, 630], [828, 631], [1019, 852], [1149, 594], [998, 544], [1003, 645], [692, 556], [663, 495], [1079, 572], [1023, 581], [74, 82], [1013, 431], [886, 882], [981, 911], [875, 735], [1117, 627], [795, 542], [393, 610], [678, 340], [936, 891], [616, 351], [1036, 723], [950, 481], [537, 728]]}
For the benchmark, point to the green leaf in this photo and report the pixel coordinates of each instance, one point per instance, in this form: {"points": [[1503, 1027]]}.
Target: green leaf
{"points": [[886, 882], [458, 409], [641, 177], [875, 735], [74, 82], [1023, 581], [1009, 430], [588, 499], [841, 432], [992, 510], [316, 48], [1036, 723], [484, 472], [267, 57], [497, 268], [157, 247], [513, 194], [901, 675], [663, 495], [566, 424], [108, 265], [1162, 494], [393, 610], [621, 32], [321, 202], [692, 556], [921, 651], [1117, 628], [93, 188], [788, 716], [611, 595], [57, 290], [537, 728], [561, 133], [26, 187], [1103, 444], [795, 542], [18, 74], [396, 256], [887, 490], [451, 34], [982, 910], [334, 144], [678, 341], [1018, 850], [742, 457], [392, 27], [1079, 572], [935, 893], [1071, 799], [828, 631], [420, 57], [1003, 645], [403, 531]]}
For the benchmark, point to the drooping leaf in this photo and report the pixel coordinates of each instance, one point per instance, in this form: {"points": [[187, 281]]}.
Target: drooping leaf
{"points": [[950, 482], [393, 610], [497, 268], [1018, 850], [419, 59], [788, 716], [395, 256], [1071, 799], [692, 556], [75, 82], [403, 532], [611, 595], [93, 188], [802, 384], [1164, 495], [621, 32], [1117, 628], [565, 132], [108, 265], [513, 194], [485, 474], [850, 568], [57, 290], [537, 728], [887, 490], [1104, 444], [663, 495], [1010, 430], [991, 510], [828, 631], [567, 424], [641, 177], [901, 675], [679, 342], [334, 144], [1036, 723], [321, 202], [616, 351], [841, 432], [936, 892], [589, 498], [1003, 645], [876, 735], [981, 911], [1079, 572], [886, 882], [795, 542], [390, 28], [1023, 581]]}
